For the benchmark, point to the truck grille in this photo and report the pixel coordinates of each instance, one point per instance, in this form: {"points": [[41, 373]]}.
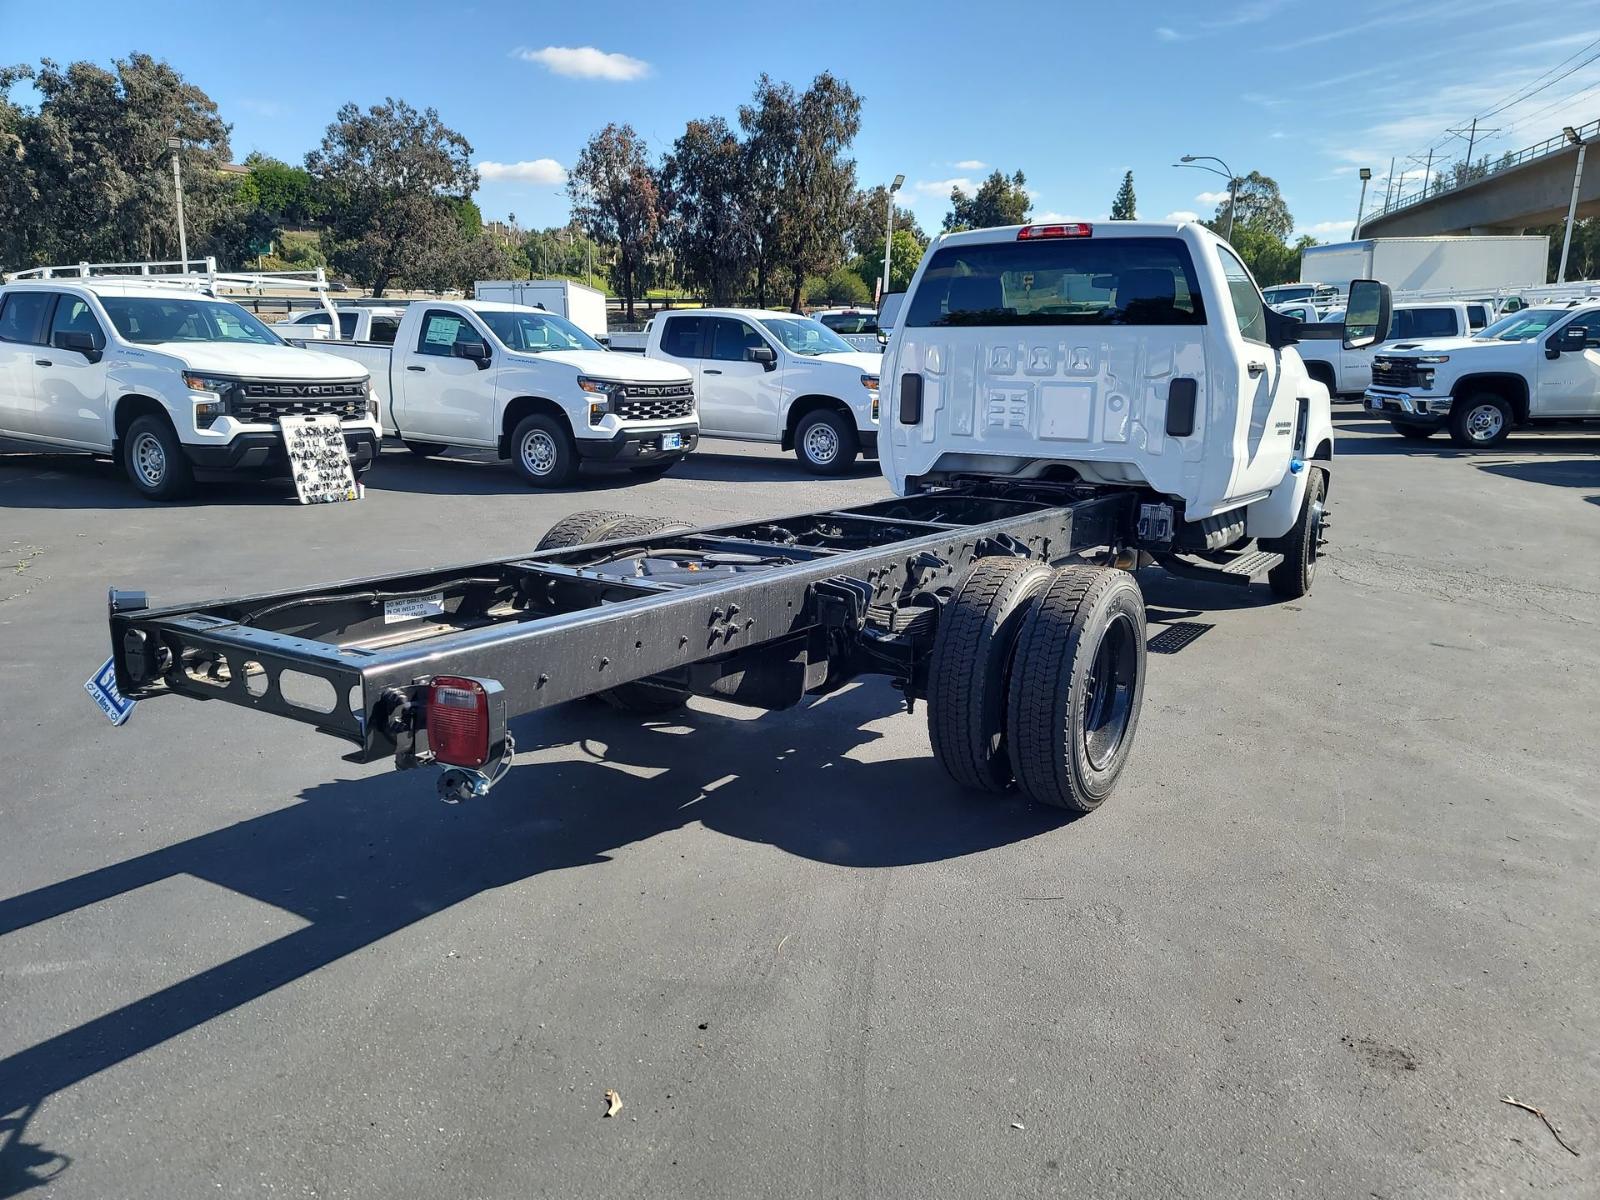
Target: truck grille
{"points": [[263, 401], [1394, 372], [654, 401]]}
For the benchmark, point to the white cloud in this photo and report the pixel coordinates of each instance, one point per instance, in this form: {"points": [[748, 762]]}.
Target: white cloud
{"points": [[538, 170], [1277, 134], [1182, 214], [970, 164], [943, 187], [1057, 218], [1323, 230], [1211, 197], [586, 62], [1165, 33]]}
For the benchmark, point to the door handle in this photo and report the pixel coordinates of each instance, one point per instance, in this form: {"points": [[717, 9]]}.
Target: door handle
{"points": [[416, 368], [711, 371], [42, 362], [1255, 368]]}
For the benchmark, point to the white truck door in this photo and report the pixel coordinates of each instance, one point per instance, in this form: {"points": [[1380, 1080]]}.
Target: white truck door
{"points": [[1569, 385], [747, 396], [70, 390], [447, 398], [22, 320], [1267, 412], [683, 341]]}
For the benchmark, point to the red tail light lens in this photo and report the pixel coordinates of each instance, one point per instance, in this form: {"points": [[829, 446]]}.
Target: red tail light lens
{"points": [[458, 721], [1073, 229]]}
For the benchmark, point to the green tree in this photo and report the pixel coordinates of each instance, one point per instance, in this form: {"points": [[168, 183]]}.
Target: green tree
{"points": [[387, 177], [282, 191], [615, 197], [802, 183], [907, 253], [840, 286], [1125, 207], [998, 201], [703, 191], [864, 232], [1259, 204]]}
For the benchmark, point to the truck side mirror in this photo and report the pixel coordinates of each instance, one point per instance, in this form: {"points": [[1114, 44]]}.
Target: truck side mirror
{"points": [[79, 340], [765, 355], [1367, 315], [1570, 340], [478, 352]]}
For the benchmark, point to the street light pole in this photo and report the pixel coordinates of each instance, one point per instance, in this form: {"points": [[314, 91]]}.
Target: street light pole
{"points": [[1572, 205], [888, 233], [1361, 206], [175, 144], [1193, 160]]}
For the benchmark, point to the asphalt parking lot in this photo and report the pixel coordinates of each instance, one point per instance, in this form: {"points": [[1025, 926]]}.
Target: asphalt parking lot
{"points": [[1343, 902]]}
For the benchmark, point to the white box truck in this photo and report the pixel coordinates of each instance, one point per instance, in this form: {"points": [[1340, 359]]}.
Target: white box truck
{"points": [[584, 306], [1417, 264]]}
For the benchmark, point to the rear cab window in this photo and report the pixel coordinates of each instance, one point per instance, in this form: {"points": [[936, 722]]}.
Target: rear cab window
{"points": [[680, 337], [1411, 323], [1069, 281], [22, 316]]}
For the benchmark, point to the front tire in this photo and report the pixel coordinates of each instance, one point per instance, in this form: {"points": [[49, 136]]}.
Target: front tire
{"points": [[1481, 422], [1077, 682], [1412, 433], [155, 461], [825, 442], [1291, 579], [544, 452]]}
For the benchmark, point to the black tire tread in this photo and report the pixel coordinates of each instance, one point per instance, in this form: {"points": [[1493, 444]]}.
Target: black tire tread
{"points": [[580, 527], [961, 671], [1290, 580], [1047, 657]]}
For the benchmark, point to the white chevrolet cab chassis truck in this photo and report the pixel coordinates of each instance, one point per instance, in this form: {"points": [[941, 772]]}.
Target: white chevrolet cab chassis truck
{"points": [[1062, 404]]}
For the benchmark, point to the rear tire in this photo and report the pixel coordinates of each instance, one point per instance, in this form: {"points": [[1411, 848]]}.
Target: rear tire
{"points": [[1292, 578], [1412, 433], [580, 527], [825, 442], [155, 461], [972, 651], [544, 452], [1077, 682], [425, 449], [1481, 422]]}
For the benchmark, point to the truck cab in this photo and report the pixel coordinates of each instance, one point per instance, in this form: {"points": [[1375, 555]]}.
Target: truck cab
{"points": [[1349, 372], [357, 323], [764, 376], [1536, 364], [1131, 354], [170, 380], [857, 326]]}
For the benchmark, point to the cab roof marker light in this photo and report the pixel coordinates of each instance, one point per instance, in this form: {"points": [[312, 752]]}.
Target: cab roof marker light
{"points": [[1071, 229]]}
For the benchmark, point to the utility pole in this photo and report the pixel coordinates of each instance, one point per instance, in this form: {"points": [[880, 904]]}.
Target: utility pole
{"points": [[1388, 185], [1572, 205], [176, 144], [888, 233], [1361, 206], [1471, 133]]}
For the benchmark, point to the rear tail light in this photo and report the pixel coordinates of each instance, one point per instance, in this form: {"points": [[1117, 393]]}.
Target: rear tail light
{"points": [[465, 720], [1071, 229]]}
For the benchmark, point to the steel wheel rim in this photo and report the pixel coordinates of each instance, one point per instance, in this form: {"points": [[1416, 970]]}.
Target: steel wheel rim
{"points": [[539, 453], [822, 443], [1485, 422], [1108, 692], [149, 460], [1314, 549]]}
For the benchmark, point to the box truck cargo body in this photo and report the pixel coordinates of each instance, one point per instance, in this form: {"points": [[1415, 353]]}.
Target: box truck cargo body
{"points": [[584, 306], [1431, 263]]}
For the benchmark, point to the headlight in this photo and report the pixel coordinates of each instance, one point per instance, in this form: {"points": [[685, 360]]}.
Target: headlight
{"points": [[215, 384], [600, 387], [1425, 379], [870, 382], [1434, 358], [210, 397], [372, 399]]}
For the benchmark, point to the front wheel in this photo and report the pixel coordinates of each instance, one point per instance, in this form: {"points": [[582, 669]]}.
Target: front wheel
{"points": [[542, 448], [155, 461], [1292, 578], [1481, 422], [825, 442]]}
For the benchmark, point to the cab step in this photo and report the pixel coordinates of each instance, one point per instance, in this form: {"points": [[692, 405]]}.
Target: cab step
{"points": [[1239, 571]]}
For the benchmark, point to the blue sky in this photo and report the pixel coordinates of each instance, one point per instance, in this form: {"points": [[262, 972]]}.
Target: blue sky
{"points": [[1073, 94]]}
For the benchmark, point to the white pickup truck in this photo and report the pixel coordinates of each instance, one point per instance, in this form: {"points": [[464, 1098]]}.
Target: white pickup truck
{"points": [[857, 326], [1534, 365], [775, 377], [1348, 372], [529, 385], [356, 324], [169, 380]]}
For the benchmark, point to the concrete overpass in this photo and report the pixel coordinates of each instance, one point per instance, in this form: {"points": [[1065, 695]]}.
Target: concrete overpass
{"points": [[1531, 190]]}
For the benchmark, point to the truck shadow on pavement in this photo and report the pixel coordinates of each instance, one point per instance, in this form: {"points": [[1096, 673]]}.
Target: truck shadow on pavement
{"points": [[361, 859], [82, 481]]}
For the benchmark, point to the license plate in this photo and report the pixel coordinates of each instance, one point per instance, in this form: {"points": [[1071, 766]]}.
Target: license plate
{"points": [[102, 689], [672, 441]]}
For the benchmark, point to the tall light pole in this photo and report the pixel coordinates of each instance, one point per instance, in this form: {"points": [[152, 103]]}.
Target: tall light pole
{"points": [[1361, 205], [175, 144], [1572, 205], [1193, 160], [888, 233]]}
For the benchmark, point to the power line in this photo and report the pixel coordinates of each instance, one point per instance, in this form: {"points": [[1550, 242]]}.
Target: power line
{"points": [[1518, 99]]}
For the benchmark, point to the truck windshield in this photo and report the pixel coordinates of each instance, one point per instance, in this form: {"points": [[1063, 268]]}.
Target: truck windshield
{"points": [[1078, 281], [1522, 326], [149, 320], [535, 333], [802, 335]]}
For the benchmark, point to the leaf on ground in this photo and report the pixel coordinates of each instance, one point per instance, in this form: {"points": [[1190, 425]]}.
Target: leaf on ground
{"points": [[613, 1102]]}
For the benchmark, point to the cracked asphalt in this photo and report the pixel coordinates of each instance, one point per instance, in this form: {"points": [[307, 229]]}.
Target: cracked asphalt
{"points": [[1343, 902]]}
